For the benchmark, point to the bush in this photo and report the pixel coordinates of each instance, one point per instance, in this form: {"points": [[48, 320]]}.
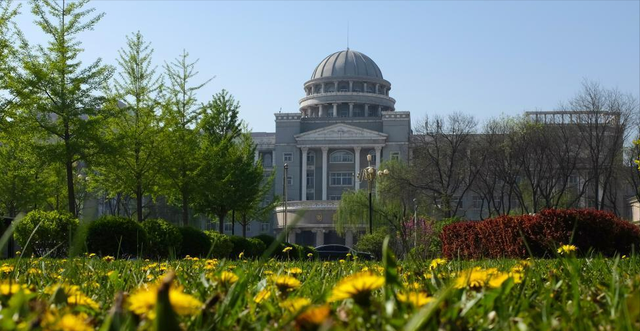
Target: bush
{"points": [[266, 239], [508, 236], [194, 242], [257, 247], [221, 245], [53, 235], [240, 245], [306, 250], [372, 242], [116, 236], [163, 238]]}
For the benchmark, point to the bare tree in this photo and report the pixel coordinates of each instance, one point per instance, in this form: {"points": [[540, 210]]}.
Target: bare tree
{"points": [[445, 161]]}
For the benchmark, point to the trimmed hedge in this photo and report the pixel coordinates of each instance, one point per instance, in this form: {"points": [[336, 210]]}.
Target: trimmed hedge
{"points": [[53, 235], [508, 236], [194, 242], [116, 236], [163, 238], [221, 245]]}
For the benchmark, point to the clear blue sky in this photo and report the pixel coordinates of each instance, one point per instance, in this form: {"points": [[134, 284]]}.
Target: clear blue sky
{"points": [[481, 58]]}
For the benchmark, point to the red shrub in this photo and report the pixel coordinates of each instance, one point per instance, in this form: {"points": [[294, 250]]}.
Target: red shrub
{"points": [[505, 236]]}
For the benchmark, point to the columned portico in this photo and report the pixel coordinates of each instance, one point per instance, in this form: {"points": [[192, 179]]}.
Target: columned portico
{"points": [[325, 150], [304, 173], [319, 236], [357, 164]]}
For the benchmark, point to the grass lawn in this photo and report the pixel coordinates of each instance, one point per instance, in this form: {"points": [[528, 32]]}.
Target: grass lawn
{"points": [[92, 293]]}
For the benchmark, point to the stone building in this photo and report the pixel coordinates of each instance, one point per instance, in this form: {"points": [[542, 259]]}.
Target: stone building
{"points": [[346, 114]]}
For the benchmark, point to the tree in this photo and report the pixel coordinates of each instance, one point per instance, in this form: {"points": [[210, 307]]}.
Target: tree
{"points": [[217, 175], [56, 92], [180, 118], [445, 160], [602, 117], [253, 187], [7, 54], [131, 164]]}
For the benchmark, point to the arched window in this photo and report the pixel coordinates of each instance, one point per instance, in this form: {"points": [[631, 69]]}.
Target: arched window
{"points": [[341, 157], [266, 160]]}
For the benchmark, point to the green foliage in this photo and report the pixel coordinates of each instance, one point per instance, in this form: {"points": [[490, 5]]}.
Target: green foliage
{"points": [[57, 93], [372, 243], [50, 232], [221, 245], [131, 163], [257, 247], [163, 238], [180, 113], [266, 239], [194, 242], [116, 236]]}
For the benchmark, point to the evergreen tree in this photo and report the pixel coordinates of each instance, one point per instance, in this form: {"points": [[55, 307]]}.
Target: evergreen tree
{"points": [[56, 92], [131, 165], [218, 173], [180, 118]]}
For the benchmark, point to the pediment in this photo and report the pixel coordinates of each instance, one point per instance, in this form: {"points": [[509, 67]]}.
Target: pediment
{"points": [[341, 132]]}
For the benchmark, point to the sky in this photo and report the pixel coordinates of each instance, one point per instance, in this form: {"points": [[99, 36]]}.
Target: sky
{"points": [[485, 58]]}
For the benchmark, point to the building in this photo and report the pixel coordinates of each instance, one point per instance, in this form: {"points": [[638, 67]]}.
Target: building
{"points": [[345, 115]]}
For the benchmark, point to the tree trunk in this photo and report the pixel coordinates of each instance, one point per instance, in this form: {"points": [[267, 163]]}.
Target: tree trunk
{"points": [[185, 209], [244, 225], [70, 188], [221, 216], [233, 222], [139, 201]]}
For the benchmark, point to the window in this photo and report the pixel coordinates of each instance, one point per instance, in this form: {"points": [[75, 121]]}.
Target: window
{"points": [[228, 226], [311, 195], [341, 179], [477, 201], [287, 157], [311, 158], [310, 180], [573, 180], [341, 157], [335, 197], [264, 227], [395, 156], [289, 180]]}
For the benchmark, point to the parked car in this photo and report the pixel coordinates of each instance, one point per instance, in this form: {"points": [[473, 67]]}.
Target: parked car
{"points": [[337, 252]]}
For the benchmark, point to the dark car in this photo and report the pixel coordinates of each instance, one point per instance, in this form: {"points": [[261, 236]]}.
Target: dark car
{"points": [[338, 252]]}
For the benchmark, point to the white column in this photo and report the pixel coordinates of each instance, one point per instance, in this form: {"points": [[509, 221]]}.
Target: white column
{"points": [[378, 150], [273, 158], [364, 88], [350, 109], [320, 111], [335, 110], [366, 110], [319, 236], [348, 239], [350, 86], [324, 172], [377, 86], [304, 173], [336, 86], [357, 169], [292, 236]]}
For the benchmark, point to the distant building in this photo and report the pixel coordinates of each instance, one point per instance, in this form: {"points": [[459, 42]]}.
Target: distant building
{"points": [[345, 115]]}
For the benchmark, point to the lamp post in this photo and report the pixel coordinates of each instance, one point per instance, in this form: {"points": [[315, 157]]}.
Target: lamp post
{"points": [[284, 188], [369, 174]]}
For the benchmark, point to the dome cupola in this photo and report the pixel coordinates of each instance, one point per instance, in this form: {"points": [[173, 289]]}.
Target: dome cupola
{"points": [[347, 63]]}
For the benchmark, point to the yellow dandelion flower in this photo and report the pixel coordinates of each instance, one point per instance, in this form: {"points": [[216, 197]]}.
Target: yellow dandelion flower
{"points": [[18, 253], [416, 299], [70, 322], [294, 271], [227, 278], [357, 286], [241, 255], [79, 299], [92, 255], [5, 268], [268, 272], [293, 305], [286, 249], [8, 289], [285, 283], [477, 278], [309, 254], [313, 317], [188, 257], [435, 263], [567, 249], [143, 302], [108, 258], [341, 261], [262, 295]]}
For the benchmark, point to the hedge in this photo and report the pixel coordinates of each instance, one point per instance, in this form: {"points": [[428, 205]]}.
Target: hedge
{"points": [[116, 236], [52, 236], [163, 238], [194, 242], [539, 235]]}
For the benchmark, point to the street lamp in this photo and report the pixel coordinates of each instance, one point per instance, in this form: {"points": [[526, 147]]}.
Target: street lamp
{"points": [[286, 182], [369, 174]]}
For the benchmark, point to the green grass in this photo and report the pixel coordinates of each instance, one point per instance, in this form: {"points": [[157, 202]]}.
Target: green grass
{"points": [[559, 294]]}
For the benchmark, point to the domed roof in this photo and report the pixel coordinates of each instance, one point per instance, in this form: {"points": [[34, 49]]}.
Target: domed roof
{"points": [[347, 63]]}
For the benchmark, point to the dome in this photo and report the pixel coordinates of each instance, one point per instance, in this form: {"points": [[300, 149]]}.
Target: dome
{"points": [[347, 63]]}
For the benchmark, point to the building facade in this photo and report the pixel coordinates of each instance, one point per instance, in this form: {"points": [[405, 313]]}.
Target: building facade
{"points": [[345, 115]]}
